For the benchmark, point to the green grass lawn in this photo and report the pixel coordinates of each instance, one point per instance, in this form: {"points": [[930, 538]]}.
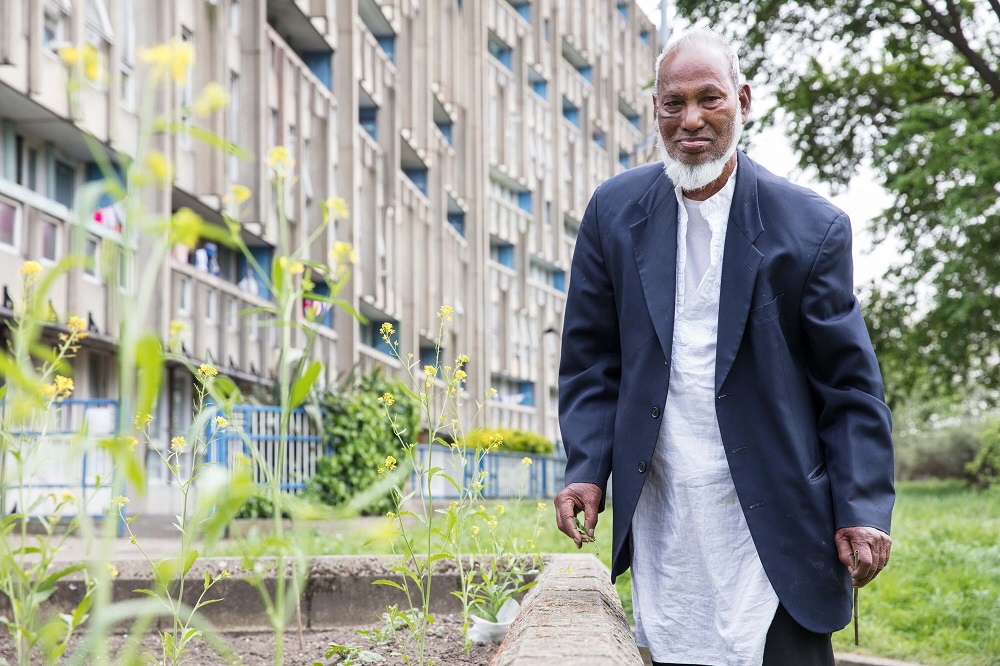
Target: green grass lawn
{"points": [[937, 603]]}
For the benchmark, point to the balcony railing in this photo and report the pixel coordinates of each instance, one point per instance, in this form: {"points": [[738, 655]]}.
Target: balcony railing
{"points": [[377, 72], [504, 20]]}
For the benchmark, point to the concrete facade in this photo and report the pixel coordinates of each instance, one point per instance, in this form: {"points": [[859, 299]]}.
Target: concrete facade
{"points": [[465, 135]]}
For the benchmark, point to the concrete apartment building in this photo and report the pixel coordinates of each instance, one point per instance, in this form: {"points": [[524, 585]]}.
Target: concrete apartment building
{"points": [[465, 135]]}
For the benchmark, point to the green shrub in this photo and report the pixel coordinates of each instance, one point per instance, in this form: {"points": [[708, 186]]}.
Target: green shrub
{"points": [[356, 430], [259, 507], [984, 469], [519, 441], [937, 454]]}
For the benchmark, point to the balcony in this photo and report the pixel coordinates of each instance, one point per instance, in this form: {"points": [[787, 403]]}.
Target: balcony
{"points": [[517, 417], [504, 20], [377, 73], [575, 86], [371, 359], [545, 296], [507, 220]]}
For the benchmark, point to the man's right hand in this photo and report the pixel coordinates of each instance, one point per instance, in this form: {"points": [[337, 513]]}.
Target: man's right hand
{"points": [[573, 499]]}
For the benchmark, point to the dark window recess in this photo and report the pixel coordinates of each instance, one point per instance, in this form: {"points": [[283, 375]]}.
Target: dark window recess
{"points": [[368, 119], [65, 186], [457, 220]]}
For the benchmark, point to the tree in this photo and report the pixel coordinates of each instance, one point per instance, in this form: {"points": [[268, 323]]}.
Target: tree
{"points": [[911, 88]]}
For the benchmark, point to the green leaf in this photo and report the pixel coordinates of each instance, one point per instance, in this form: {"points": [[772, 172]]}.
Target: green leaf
{"points": [[390, 583], [303, 385], [208, 580], [191, 559], [149, 361]]}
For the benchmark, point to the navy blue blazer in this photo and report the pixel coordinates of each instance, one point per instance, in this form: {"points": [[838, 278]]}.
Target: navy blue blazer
{"points": [[799, 394]]}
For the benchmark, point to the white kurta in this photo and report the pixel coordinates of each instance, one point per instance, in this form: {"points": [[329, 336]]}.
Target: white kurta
{"points": [[699, 591]]}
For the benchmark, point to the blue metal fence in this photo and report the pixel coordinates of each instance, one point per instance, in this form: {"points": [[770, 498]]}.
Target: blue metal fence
{"points": [[57, 468], [506, 476], [257, 427]]}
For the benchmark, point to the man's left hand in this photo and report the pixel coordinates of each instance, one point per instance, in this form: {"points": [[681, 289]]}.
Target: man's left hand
{"points": [[872, 546]]}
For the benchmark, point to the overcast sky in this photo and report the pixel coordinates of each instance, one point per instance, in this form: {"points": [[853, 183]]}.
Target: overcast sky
{"points": [[863, 200]]}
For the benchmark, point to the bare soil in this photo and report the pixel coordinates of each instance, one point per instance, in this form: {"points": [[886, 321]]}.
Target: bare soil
{"points": [[443, 648]]}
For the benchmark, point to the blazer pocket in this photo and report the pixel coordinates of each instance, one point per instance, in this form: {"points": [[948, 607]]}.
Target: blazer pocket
{"points": [[765, 313], [818, 472]]}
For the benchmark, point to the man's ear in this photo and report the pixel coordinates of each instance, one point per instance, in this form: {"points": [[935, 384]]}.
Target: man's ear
{"points": [[655, 107], [745, 97]]}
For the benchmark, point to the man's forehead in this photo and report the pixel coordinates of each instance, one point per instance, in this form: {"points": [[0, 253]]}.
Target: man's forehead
{"points": [[707, 63]]}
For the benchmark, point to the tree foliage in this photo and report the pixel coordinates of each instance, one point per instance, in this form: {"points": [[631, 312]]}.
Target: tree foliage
{"points": [[911, 88]]}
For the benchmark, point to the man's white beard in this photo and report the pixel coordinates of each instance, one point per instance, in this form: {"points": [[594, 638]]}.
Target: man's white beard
{"points": [[693, 178]]}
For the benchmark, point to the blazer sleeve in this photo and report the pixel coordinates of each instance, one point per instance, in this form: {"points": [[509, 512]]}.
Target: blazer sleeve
{"points": [[854, 423], [590, 367]]}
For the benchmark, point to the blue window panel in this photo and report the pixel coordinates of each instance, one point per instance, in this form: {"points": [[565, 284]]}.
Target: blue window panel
{"points": [[623, 10], [545, 29], [428, 356], [601, 140], [419, 178], [587, 73], [502, 53], [368, 119], [623, 159], [458, 3], [525, 11], [503, 255], [371, 334], [262, 255], [541, 88], [571, 113], [457, 220], [326, 311], [527, 391], [634, 120], [446, 130], [388, 44], [92, 172], [548, 213], [319, 63], [524, 201], [559, 280], [644, 36]]}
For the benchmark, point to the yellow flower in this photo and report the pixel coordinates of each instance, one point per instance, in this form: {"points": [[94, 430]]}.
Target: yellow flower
{"points": [[240, 193], [387, 399], [224, 574], [30, 269], [159, 166], [445, 312], [541, 506], [338, 207], [173, 59], [69, 497], [279, 160], [380, 470], [177, 444], [492, 522], [462, 360], [495, 442], [91, 63], [142, 420], [386, 330], [205, 371], [390, 515], [390, 463], [76, 325], [475, 530], [501, 509], [70, 55], [211, 98], [112, 571], [296, 268], [131, 442], [526, 461], [176, 328], [430, 371], [61, 389], [344, 253], [460, 375], [493, 392], [120, 500], [185, 227], [221, 422]]}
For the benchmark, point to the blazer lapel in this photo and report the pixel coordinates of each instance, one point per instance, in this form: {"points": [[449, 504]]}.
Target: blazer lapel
{"points": [[654, 243], [740, 261]]}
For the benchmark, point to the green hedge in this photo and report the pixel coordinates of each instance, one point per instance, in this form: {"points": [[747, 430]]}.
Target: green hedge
{"points": [[519, 441], [984, 470]]}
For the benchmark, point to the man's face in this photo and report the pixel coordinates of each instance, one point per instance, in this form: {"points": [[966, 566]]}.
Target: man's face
{"points": [[698, 109]]}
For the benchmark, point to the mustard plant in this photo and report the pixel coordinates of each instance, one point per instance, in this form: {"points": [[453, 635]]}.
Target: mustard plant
{"points": [[31, 403]]}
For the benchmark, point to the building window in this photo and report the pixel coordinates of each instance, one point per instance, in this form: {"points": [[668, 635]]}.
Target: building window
{"points": [[600, 139], [65, 185], [644, 36], [56, 24], [234, 16], [418, 176], [499, 50], [126, 27], [368, 119], [570, 112], [623, 159], [388, 44], [254, 328], [503, 254], [125, 264], [233, 316], [623, 10], [211, 309], [92, 253], [10, 224], [184, 296], [541, 88], [49, 240], [457, 220], [233, 129]]}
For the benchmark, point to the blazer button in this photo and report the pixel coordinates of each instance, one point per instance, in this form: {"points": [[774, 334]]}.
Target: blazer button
{"points": [[655, 412], [642, 467]]}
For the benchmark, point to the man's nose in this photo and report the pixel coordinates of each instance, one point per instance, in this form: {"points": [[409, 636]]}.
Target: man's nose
{"points": [[691, 117]]}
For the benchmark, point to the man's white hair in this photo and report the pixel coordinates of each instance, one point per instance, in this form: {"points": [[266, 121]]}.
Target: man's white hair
{"points": [[701, 37]]}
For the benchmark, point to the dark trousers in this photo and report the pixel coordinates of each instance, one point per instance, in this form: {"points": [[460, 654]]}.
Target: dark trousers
{"points": [[789, 644]]}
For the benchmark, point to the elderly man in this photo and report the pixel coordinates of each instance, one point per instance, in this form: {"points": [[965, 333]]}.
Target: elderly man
{"points": [[715, 358]]}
